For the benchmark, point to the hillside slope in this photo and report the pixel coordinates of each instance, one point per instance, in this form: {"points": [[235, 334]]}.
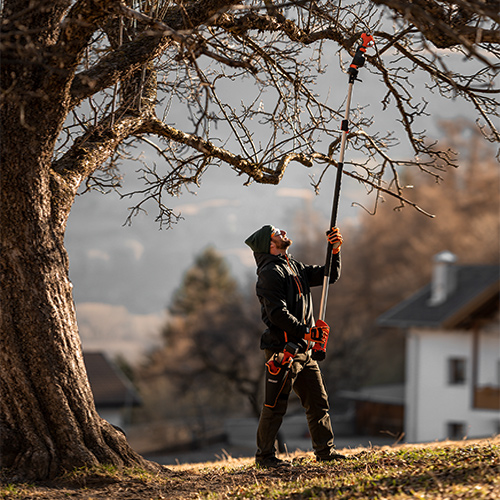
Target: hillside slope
{"points": [[444, 470]]}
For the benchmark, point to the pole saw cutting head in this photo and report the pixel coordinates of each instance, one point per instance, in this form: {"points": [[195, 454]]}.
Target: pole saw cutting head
{"points": [[358, 60]]}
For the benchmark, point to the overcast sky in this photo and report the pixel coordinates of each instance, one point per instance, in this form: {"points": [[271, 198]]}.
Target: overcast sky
{"points": [[133, 270]]}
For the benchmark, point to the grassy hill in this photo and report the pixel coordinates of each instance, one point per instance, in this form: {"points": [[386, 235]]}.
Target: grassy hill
{"points": [[444, 470]]}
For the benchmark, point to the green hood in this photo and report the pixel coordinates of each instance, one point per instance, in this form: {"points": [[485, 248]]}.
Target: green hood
{"points": [[260, 240]]}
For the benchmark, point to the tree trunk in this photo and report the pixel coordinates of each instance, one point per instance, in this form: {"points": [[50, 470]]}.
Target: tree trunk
{"points": [[48, 420]]}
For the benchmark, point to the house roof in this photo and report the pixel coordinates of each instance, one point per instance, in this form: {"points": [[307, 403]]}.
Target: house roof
{"points": [[476, 286], [391, 394], [109, 385]]}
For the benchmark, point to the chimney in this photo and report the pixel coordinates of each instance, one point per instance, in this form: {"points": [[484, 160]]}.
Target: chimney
{"points": [[443, 278]]}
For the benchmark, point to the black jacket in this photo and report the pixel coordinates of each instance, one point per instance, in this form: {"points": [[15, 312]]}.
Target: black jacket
{"points": [[284, 291]]}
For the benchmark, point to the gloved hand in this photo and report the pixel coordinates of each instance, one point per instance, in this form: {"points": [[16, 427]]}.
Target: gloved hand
{"points": [[318, 333], [335, 239], [319, 349]]}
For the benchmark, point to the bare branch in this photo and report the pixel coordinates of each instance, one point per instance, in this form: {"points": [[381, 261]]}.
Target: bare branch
{"points": [[375, 185], [255, 171]]}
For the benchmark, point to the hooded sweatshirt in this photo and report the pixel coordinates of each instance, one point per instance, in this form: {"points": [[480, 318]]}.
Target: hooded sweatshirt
{"points": [[260, 240], [284, 292]]}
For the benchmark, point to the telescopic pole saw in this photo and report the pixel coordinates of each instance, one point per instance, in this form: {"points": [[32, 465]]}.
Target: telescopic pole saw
{"points": [[357, 62]]}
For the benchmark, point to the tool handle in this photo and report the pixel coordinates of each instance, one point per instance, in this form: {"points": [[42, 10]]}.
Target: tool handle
{"points": [[357, 62]]}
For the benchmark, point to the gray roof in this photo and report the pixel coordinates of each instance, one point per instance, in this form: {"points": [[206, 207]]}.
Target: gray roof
{"points": [[476, 286], [390, 394], [110, 387]]}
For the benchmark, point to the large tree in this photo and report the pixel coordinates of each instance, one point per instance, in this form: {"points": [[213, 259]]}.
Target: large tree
{"points": [[82, 81]]}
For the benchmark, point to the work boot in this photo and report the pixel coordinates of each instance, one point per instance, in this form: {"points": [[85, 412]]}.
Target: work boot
{"points": [[272, 463], [331, 457]]}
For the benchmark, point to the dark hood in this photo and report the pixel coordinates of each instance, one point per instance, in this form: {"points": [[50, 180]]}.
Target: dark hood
{"points": [[260, 241]]}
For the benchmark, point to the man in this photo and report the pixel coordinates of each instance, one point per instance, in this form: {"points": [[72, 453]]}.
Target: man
{"points": [[283, 289]]}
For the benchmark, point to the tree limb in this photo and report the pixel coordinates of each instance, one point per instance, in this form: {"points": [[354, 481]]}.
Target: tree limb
{"points": [[145, 48], [254, 170]]}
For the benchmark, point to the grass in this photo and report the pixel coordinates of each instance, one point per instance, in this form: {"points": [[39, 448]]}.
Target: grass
{"points": [[107, 472], [16, 491], [451, 470], [443, 473]]}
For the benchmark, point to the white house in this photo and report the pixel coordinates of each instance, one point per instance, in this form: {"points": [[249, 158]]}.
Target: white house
{"points": [[452, 325]]}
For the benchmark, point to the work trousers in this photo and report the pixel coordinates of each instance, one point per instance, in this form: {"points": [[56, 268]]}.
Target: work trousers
{"points": [[306, 380]]}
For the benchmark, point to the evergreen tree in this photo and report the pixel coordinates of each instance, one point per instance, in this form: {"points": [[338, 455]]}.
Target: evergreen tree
{"points": [[211, 353], [208, 281]]}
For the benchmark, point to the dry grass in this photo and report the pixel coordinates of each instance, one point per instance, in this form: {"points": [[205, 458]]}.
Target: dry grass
{"points": [[444, 470]]}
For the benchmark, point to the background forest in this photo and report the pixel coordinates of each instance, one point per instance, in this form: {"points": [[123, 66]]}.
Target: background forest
{"points": [[210, 363]]}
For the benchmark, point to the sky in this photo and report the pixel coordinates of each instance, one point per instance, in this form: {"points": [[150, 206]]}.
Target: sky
{"points": [[124, 276]]}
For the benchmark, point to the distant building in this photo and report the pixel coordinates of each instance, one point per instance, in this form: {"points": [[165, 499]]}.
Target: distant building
{"points": [[452, 325], [378, 410], [114, 394]]}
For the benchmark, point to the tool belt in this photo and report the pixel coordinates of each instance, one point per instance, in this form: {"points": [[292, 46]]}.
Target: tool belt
{"points": [[277, 371]]}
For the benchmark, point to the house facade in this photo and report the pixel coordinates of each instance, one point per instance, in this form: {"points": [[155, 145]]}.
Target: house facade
{"points": [[452, 326], [452, 387]]}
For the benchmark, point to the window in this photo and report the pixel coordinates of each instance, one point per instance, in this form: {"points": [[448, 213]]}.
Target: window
{"points": [[456, 371], [456, 430]]}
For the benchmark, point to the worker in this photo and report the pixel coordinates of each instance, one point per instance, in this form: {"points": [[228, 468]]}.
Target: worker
{"points": [[284, 292]]}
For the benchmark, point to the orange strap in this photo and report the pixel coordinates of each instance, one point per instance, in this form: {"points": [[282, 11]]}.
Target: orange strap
{"points": [[295, 277]]}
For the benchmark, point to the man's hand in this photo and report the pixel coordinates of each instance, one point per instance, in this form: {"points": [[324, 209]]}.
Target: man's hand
{"points": [[318, 333], [335, 239]]}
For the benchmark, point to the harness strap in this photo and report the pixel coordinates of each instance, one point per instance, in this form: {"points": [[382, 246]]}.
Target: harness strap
{"points": [[295, 276]]}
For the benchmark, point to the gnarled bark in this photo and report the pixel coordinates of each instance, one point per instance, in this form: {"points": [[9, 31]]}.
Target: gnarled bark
{"points": [[48, 421]]}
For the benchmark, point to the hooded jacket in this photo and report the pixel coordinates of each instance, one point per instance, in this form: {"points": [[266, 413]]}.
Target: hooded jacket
{"points": [[284, 291]]}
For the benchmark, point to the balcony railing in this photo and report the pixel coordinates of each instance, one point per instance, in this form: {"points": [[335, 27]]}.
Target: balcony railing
{"points": [[487, 398]]}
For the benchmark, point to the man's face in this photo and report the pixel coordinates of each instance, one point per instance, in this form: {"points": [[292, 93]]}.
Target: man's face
{"points": [[279, 239]]}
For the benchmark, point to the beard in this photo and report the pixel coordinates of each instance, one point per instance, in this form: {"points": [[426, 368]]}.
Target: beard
{"points": [[283, 244]]}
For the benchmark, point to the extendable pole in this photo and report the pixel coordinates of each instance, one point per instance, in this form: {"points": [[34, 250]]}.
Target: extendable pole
{"points": [[357, 62]]}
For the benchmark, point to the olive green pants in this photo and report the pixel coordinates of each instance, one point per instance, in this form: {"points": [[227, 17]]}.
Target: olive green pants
{"points": [[306, 380]]}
